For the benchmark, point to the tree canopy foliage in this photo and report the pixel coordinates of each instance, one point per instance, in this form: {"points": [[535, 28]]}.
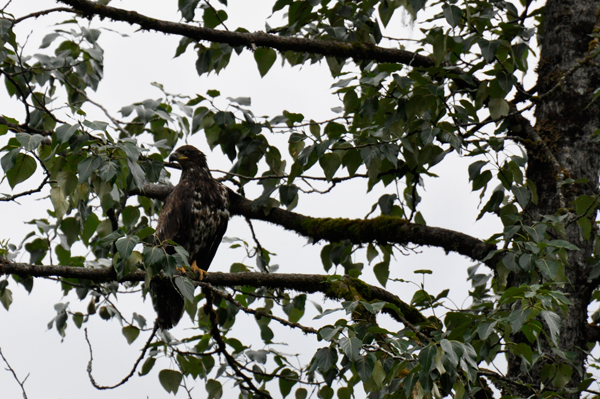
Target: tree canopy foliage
{"points": [[468, 87]]}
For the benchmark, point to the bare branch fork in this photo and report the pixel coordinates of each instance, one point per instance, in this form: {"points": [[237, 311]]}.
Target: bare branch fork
{"points": [[21, 383], [135, 365]]}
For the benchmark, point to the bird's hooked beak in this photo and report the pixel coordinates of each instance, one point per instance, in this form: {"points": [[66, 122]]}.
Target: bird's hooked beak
{"points": [[176, 157]]}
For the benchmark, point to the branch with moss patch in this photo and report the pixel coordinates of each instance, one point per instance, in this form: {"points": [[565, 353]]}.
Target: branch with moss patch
{"points": [[333, 287], [382, 229]]}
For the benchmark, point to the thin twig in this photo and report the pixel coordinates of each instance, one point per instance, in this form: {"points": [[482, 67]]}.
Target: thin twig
{"points": [[137, 362], [43, 12], [21, 383], [36, 190], [187, 353], [230, 298], [217, 15], [279, 376], [6, 5], [216, 334], [259, 247]]}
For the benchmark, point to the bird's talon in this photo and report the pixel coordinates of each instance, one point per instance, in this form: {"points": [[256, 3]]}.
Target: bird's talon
{"points": [[199, 273]]}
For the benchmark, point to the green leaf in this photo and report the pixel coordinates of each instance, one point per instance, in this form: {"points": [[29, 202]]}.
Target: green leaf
{"points": [[22, 170], [485, 329], [488, 49], [548, 267], [351, 347], [426, 357], [330, 163], [78, 319], [285, 385], [365, 365], [301, 393], [6, 298], [328, 333], [382, 272], [372, 253], [532, 330], [524, 351], [586, 227], [475, 168], [87, 167], [563, 244], [481, 180], [498, 108], [453, 14], [153, 256], [64, 133], [59, 202], [29, 141], [170, 380], [126, 244], [139, 177], [212, 19], [326, 392], [584, 204], [130, 333], [48, 39], [522, 195], [265, 58], [378, 374], [518, 317], [553, 322], [185, 287], [448, 348], [188, 8], [325, 358], [147, 366], [563, 376], [214, 389], [266, 334], [5, 28]]}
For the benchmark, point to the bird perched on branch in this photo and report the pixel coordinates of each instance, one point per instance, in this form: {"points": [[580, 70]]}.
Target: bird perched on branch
{"points": [[195, 216]]}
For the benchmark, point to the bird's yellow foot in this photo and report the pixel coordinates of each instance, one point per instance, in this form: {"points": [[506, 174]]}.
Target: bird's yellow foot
{"points": [[181, 270], [200, 273]]}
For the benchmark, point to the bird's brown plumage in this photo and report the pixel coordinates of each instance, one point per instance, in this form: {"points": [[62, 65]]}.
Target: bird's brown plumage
{"points": [[195, 216]]}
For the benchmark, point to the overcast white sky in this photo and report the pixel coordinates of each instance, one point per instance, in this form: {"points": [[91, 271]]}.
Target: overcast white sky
{"points": [[58, 369]]}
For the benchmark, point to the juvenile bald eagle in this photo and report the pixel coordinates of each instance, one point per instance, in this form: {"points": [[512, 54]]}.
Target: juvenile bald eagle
{"points": [[195, 216]]}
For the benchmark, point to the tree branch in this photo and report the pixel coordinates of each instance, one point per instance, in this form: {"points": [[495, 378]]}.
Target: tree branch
{"points": [[260, 39], [135, 365], [40, 13], [383, 229], [23, 128], [257, 312], [334, 287], [21, 383], [216, 334], [29, 192]]}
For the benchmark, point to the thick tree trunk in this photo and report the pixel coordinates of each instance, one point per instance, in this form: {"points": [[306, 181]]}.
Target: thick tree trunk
{"points": [[566, 119]]}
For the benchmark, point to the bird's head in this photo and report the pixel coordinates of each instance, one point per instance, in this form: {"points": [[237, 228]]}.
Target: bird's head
{"points": [[189, 156]]}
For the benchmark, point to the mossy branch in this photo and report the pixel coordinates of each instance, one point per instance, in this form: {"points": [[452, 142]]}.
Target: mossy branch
{"points": [[333, 287], [259, 39], [383, 229]]}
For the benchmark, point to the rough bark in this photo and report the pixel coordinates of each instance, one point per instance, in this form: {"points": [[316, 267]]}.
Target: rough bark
{"points": [[566, 117]]}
